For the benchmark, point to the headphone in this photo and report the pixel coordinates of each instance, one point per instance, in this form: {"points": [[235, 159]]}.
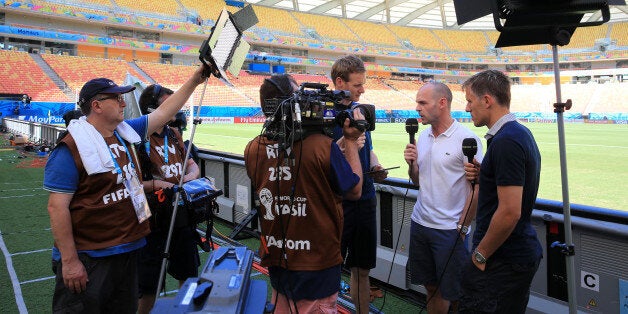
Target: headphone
{"points": [[272, 80], [148, 103], [156, 92]]}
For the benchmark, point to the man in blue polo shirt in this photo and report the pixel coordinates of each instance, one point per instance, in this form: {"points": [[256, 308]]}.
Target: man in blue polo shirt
{"points": [[98, 214], [506, 251]]}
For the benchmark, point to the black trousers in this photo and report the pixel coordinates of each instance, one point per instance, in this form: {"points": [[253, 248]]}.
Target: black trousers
{"points": [[501, 288]]}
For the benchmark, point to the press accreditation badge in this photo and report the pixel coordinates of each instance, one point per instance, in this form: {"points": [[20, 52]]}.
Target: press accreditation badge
{"points": [[137, 196]]}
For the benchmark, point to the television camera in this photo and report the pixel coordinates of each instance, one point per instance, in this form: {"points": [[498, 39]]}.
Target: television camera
{"points": [[312, 109]]}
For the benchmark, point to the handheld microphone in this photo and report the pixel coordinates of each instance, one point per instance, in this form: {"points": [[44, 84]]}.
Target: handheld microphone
{"points": [[412, 126], [469, 149]]}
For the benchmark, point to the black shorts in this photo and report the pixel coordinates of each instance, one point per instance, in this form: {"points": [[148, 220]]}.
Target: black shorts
{"points": [[182, 264], [359, 234], [112, 286]]}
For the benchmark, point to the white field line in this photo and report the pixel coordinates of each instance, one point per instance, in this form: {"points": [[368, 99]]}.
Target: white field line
{"points": [[22, 183], [37, 280], [584, 145], [23, 189], [30, 252], [19, 298], [21, 196]]}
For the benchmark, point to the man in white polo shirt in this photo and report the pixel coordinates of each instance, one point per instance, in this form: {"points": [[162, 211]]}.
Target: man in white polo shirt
{"points": [[446, 201]]}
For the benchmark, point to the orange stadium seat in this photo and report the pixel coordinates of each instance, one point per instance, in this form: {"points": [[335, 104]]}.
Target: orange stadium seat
{"points": [[75, 71], [217, 93], [249, 84], [619, 33], [463, 41], [206, 9], [277, 20], [375, 34], [326, 26], [420, 38], [312, 78], [406, 87], [29, 79], [384, 96], [585, 37]]}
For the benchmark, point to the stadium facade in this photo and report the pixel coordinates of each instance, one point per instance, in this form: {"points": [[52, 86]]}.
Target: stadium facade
{"points": [[50, 48]]}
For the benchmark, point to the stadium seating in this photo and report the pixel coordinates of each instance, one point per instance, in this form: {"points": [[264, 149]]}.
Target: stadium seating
{"points": [[206, 9], [420, 38], [301, 78], [21, 75], [532, 98], [463, 41], [104, 3], [326, 26], [371, 33], [164, 7], [385, 97], [102, 12], [585, 37], [429, 47], [297, 41], [217, 94], [276, 20], [406, 87], [329, 34], [249, 84], [619, 33], [75, 71], [608, 97]]}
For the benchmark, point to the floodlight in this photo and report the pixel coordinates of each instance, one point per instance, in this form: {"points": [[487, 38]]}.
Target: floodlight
{"points": [[225, 49], [529, 22]]}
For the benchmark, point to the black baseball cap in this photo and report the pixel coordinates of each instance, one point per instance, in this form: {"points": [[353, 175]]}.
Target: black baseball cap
{"points": [[101, 86]]}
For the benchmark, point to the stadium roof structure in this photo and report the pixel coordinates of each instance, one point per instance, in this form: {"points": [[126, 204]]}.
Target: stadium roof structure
{"points": [[417, 13]]}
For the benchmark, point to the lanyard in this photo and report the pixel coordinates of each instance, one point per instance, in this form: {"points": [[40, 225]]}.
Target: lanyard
{"points": [[147, 146], [115, 163]]}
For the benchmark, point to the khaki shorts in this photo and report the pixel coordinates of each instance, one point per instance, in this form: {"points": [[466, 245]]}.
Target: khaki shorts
{"points": [[325, 305]]}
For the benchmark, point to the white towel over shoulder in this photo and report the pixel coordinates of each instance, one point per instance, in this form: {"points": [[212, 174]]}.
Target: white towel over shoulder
{"points": [[94, 152]]}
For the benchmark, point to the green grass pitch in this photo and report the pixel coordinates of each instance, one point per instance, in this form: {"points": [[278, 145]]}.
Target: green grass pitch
{"points": [[597, 156]]}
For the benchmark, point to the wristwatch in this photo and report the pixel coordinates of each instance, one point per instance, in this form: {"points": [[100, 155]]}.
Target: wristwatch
{"points": [[464, 229], [478, 257]]}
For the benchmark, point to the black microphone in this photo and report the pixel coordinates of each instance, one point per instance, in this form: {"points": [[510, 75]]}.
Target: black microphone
{"points": [[412, 126], [469, 149]]}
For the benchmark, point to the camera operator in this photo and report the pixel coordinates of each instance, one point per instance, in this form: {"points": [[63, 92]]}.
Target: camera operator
{"points": [[359, 238], [161, 159], [301, 188]]}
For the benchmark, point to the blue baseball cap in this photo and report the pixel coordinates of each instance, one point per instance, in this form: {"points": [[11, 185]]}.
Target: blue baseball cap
{"points": [[101, 86]]}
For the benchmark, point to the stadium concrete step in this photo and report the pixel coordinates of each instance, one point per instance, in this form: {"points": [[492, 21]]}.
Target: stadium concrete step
{"points": [[144, 75], [63, 86]]}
